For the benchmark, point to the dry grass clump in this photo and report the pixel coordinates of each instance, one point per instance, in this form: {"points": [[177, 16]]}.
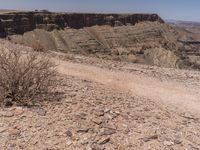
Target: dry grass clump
{"points": [[25, 76]]}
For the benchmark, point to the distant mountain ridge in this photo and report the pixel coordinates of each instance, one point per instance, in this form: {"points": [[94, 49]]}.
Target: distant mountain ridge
{"points": [[183, 23]]}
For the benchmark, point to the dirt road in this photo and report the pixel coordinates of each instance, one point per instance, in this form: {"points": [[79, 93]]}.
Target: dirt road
{"points": [[176, 95]]}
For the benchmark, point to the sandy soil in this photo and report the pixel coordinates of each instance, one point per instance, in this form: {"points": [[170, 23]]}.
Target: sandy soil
{"points": [[108, 105]]}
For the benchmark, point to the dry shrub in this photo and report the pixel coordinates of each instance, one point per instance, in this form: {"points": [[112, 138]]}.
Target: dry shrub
{"points": [[25, 76]]}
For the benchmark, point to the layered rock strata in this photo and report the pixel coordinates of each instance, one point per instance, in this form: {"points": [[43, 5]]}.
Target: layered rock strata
{"points": [[21, 22]]}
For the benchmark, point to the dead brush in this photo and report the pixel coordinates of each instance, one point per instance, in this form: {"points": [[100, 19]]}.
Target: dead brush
{"points": [[25, 76]]}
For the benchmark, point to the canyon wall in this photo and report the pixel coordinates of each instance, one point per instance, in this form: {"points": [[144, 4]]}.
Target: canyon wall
{"points": [[138, 38], [21, 22], [143, 43]]}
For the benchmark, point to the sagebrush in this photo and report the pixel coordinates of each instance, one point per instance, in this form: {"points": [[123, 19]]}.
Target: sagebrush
{"points": [[25, 75]]}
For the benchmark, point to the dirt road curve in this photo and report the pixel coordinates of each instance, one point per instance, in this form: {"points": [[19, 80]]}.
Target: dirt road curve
{"points": [[176, 95]]}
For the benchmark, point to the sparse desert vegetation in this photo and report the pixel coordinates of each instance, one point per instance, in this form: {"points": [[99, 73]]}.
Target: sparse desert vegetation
{"points": [[24, 76]]}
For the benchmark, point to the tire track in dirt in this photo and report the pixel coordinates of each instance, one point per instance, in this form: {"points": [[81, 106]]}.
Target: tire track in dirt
{"points": [[174, 94]]}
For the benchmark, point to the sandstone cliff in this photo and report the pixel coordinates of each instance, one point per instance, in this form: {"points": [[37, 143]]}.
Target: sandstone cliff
{"points": [[21, 22]]}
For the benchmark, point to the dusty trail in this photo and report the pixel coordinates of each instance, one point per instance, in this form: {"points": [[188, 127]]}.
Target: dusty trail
{"points": [[174, 94]]}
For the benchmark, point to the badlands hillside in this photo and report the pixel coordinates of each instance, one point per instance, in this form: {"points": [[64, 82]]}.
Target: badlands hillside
{"points": [[127, 82]]}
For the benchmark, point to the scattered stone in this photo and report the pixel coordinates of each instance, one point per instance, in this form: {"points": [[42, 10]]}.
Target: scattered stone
{"points": [[110, 126], [96, 147], [69, 143], [81, 116], [2, 129], [84, 141], [127, 130], [106, 110], [168, 143], [69, 133], [107, 132], [158, 117], [104, 140], [112, 115], [189, 116], [41, 111], [72, 94], [14, 131], [147, 139], [12, 145], [99, 113], [83, 130], [117, 112], [97, 121], [176, 141]]}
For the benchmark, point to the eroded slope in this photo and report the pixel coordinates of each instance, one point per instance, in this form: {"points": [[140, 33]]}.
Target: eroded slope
{"points": [[147, 42]]}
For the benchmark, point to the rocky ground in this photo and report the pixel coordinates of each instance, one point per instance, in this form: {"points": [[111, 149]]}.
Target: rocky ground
{"points": [[92, 115]]}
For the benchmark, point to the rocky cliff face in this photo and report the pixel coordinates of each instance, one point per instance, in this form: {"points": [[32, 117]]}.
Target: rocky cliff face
{"points": [[21, 22], [140, 38], [2, 30]]}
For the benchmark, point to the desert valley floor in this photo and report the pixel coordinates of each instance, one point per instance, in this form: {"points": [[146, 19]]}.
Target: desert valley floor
{"points": [[105, 104]]}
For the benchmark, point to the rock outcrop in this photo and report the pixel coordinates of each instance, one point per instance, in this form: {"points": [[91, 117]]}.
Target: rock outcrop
{"points": [[2, 30], [21, 22], [144, 42]]}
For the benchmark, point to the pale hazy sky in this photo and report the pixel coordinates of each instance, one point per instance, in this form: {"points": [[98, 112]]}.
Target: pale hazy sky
{"points": [[167, 9]]}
